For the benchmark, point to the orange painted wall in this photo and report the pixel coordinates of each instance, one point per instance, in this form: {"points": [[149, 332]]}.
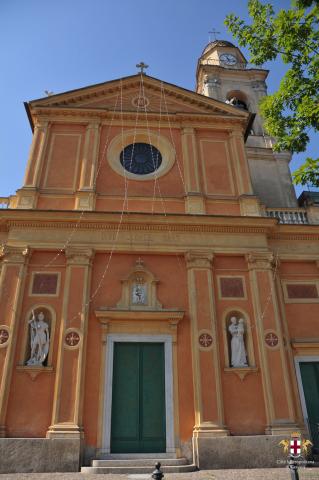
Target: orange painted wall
{"points": [[35, 396], [302, 318], [242, 415]]}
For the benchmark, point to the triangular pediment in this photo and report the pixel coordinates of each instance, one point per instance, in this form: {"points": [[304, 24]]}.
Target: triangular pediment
{"points": [[138, 93]]}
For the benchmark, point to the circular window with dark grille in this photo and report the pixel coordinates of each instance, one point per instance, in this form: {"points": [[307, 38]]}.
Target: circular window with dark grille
{"points": [[140, 158]]}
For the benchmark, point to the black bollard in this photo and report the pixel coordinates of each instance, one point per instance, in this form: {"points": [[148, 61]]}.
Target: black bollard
{"points": [[293, 468], [157, 474]]}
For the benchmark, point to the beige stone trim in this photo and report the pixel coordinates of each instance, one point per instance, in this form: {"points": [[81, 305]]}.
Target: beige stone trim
{"points": [[269, 406], [241, 372], [203, 261], [75, 257], [12, 256], [264, 262], [144, 136], [116, 321], [287, 299], [42, 130], [90, 157], [33, 371], [289, 351], [305, 346], [56, 294]]}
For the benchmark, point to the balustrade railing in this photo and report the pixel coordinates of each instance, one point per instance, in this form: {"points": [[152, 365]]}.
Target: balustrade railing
{"points": [[4, 202], [285, 215]]}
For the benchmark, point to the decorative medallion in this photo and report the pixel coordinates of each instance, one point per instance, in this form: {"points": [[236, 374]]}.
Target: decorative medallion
{"points": [[4, 336], [140, 101], [271, 339], [72, 338], [205, 340]]}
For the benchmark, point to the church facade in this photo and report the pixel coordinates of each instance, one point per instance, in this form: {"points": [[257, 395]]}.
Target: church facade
{"points": [[159, 281]]}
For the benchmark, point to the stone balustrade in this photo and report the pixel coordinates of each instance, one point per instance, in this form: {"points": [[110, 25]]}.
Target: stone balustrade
{"points": [[4, 202], [288, 215]]}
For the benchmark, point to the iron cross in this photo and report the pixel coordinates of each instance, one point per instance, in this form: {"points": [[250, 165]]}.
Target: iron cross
{"points": [[213, 32], [142, 66]]}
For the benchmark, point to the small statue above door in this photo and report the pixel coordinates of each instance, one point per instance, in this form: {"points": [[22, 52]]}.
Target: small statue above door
{"points": [[139, 289]]}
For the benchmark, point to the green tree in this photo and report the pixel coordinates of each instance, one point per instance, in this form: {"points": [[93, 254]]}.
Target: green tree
{"points": [[293, 110]]}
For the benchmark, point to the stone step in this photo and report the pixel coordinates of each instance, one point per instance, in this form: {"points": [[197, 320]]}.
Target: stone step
{"points": [[126, 456], [125, 470], [139, 462]]}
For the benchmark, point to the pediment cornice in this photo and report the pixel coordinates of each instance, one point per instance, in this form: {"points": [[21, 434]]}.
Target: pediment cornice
{"points": [[101, 99]]}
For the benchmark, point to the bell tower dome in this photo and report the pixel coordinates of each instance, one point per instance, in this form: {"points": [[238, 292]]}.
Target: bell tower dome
{"points": [[224, 73]]}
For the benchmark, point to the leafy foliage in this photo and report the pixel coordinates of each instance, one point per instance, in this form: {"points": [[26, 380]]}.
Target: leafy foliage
{"points": [[293, 34]]}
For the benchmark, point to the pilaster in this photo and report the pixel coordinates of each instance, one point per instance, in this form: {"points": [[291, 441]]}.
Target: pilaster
{"points": [[194, 198], [12, 279], [240, 163], [209, 414], [69, 386], [85, 198], [278, 394], [28, 194]]}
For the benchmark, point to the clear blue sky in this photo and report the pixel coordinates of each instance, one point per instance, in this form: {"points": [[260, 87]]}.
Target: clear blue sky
{"points": [[61, 45]]}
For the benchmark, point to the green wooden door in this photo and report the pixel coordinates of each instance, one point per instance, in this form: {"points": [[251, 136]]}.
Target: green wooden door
{"points": [[310, 382], [138, 398]]}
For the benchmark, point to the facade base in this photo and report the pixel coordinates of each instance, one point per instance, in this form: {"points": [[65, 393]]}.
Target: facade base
{"points": [[25, 455], [256, 451]]}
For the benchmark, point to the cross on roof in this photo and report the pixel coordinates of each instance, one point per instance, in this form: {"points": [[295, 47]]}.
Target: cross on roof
{"points": [[213, 32], [142, 66]]}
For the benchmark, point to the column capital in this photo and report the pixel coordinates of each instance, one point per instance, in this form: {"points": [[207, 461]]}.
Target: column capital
{"points": [[93, 125], [41, 125], [79, 256], [188, 131], [11, 254], [199, 259], [261, 261]]}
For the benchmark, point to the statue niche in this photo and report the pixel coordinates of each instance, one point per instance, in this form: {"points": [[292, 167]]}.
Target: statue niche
{"points": [[139, 290], [237, 334], [38, 338]]}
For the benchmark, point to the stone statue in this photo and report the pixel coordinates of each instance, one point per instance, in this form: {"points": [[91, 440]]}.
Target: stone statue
{"points": [[139, 296], [238, 351], [39, 339]]}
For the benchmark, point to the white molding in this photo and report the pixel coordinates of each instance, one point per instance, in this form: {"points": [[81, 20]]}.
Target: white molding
{"points": [[298, 360], [169, 403]]}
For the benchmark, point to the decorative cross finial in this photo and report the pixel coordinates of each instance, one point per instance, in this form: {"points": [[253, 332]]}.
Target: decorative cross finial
{"points": [[139, 262], [213, 32], [142, 66]]}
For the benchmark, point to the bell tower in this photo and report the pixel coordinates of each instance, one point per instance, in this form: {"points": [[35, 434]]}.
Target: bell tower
{"points": [[223, 73]]}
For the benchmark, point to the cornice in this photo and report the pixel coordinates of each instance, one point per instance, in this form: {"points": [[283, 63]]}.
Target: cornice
{"points": [[138, 227], [84, 115]]}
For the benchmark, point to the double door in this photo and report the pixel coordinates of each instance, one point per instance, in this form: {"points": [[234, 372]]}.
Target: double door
{"points": [[310, 383], [138, 398]]}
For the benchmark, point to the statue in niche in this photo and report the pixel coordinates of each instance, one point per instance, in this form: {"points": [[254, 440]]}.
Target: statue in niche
{"points": [[139, 294], [39, 339], [237, 344]]}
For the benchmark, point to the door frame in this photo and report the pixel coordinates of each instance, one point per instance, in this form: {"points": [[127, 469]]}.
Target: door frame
{"points": [[298, 360], [169, 400]]}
